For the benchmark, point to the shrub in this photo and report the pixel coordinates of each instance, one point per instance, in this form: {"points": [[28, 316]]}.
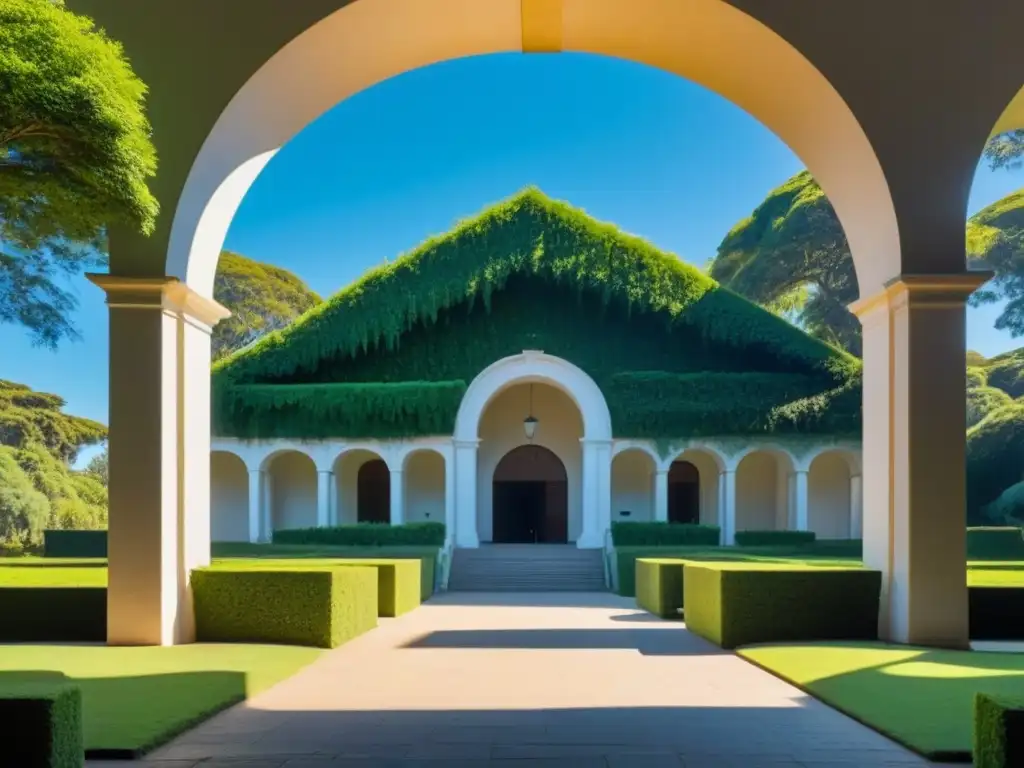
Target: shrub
{"points": [[981, 401], [44, 725], [1009, 507], [74, 543], [659, 586], [321, 607], [996, 613], [53, 614], [366, 535], [23, 509], [664, 535], [995, 543], [734, 604], [774, 538], [995, 446], [398, 585], [998, 732], [839, 547]]}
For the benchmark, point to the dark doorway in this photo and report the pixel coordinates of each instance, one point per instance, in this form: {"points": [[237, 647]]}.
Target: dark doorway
{"points": [[373, 492], [531, 498], [683, 493]]}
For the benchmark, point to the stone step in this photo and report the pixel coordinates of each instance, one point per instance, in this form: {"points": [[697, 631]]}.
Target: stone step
{"points": [[527, 568]]}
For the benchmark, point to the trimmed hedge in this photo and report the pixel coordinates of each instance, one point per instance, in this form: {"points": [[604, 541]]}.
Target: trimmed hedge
{"points": [[995, 543], [366, 535], [44, 726], [53, 615], [998, 731], [58, 543], [665, 535], [322, 607], [996, 613], [398, 585], [659, 586], [734, 604], [774, 538]]}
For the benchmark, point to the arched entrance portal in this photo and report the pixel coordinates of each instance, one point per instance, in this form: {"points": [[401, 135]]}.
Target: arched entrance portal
{"points": [[531, 498], [683, 493]]}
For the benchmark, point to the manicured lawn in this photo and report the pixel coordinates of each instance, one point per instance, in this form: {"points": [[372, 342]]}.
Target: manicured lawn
{"points": [[919, 697], [136, 698]]}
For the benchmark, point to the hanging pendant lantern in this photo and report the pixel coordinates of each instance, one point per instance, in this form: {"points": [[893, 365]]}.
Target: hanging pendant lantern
{"points": [[530, 423]]}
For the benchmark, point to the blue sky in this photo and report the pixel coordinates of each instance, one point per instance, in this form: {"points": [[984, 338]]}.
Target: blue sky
{"points": [[655, 154]]}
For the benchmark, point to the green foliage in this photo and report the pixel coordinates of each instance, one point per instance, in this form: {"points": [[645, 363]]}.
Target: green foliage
{"points": [[530, 273], [775, 538], [53, 614], [31, 418], [74, 544], [99, 467], [981, 401], [976, 359], [322, 608], [1006, 372], [262, 298], [996, 612], [1008, 507], [366, 535], [75, 157], [998, 730], [995, 543], [734, 604], [995, 458], [996, 241], [630, 534], [44, 721], [1006, 150], [659, 586], [23, 510]]}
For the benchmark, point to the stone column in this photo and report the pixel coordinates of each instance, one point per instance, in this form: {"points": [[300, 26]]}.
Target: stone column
{"points": [[267, 529], [661, 495], [397, 497], [255, 504], [324, 479], [159, 455], [466, 534], [449, 498], [800, 512], [856, 506], [727, 506], [332, 515], [596, 493], [914, 455]]}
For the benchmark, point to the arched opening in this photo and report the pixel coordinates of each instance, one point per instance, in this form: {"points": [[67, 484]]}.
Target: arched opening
{"points": [[683, 492], [292, 491], [229, 497], [362, 487], [762, 491], [530, 498], [424, 479], [829, 510], [633, 486]]}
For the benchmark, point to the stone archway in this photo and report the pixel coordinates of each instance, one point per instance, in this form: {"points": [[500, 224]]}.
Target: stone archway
{"points": [[531, 498]]}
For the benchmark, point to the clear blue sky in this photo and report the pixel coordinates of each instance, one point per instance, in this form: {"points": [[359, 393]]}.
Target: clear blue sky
{"points": [[655, 154]]}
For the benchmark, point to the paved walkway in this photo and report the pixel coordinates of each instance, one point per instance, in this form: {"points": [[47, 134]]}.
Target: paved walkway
{"points": [[573, 681]]}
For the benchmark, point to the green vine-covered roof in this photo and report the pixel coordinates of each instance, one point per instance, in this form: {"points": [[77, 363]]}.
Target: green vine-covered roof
{"points": [[528, 245]]}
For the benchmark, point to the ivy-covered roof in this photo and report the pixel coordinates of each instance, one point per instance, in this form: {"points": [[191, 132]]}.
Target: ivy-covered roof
{"points": [[527, 237]]}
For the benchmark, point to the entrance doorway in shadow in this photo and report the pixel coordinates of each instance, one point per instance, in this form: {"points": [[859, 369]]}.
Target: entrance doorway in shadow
{"points": [[530, 502]]}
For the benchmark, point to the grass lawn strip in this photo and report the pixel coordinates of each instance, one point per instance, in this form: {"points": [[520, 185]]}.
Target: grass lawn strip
{"points": [[922, 698], [134, 699]]}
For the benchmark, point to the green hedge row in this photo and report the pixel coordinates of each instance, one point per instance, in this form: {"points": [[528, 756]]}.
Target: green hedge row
{"points": [[1004, 543], [366, 535], [44, 726], [53, 614], [57, 543], [319, 607], [998, 731], [659, 586], [665, 535], [734, 604], [774, 538]]}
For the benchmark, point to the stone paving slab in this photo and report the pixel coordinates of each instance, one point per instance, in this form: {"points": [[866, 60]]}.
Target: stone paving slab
{"points": [[527, 681]]}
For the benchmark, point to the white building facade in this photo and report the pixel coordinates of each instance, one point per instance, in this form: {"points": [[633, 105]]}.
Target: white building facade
{"points": [[533, 457]]}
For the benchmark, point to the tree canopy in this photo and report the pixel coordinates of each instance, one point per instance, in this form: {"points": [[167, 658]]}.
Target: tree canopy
{"points": [[791, 255], [75, 158], [262, 298]]}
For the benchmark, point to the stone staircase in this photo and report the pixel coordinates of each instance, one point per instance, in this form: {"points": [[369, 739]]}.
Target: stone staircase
{"points": [[527, 568]]}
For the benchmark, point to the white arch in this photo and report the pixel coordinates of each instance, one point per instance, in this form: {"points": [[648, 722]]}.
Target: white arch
{"points": [[534, 366], [625, 446], [701, 450], [708, 42], [774, 449], [850, 456]]}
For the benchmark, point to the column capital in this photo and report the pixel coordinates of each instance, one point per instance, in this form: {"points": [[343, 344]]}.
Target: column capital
{"points": [[167, 294], [324, 471], [941, 291], [466, 443], [596, 442]]}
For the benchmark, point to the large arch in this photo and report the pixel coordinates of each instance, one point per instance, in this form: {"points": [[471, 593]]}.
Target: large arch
{"points": [[534, 366], [530, 497]]}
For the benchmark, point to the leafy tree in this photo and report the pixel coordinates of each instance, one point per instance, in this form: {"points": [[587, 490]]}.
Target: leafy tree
{"points": [[1006, 150], [23, 509], [262, 298], [791, 255], [98, 467], [75, 156]]}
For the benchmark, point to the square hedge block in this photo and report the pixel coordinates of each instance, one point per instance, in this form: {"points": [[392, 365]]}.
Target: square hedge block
{"points": [[659, 586], [319, 607], [53, 614], [43, 723], [398, 584], [998, 732], [734, 604]]}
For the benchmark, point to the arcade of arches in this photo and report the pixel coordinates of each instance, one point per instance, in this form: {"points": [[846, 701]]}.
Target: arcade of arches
{"points": [[223, 97]]}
